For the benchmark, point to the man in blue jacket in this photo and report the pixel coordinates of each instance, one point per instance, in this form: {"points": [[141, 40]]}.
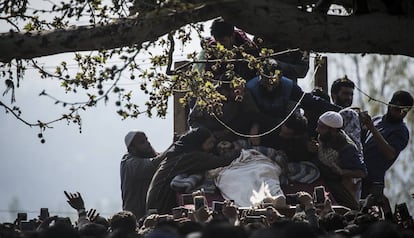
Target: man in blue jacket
{"points": [[383, 139]]}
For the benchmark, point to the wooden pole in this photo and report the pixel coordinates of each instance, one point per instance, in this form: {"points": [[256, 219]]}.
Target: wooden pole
{"points": [[321, 76], [180, 111]]}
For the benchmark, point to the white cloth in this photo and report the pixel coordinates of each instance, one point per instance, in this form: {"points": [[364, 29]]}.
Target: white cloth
{"points": [[352, 126], [250, 178]]}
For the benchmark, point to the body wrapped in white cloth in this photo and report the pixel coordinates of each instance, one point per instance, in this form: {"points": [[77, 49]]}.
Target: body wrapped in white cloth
{"points": [[250, 178]]}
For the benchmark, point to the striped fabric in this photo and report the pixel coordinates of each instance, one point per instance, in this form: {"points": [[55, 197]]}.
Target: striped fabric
{"points": [[184, 183], [301, 172]]}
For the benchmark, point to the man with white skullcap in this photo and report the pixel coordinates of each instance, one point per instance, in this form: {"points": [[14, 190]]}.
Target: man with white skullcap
{"points": [[137, 168], [339, 160]]}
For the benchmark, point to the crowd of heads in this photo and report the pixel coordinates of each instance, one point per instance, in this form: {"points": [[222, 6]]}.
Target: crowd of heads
{"points": [[305, 219]]}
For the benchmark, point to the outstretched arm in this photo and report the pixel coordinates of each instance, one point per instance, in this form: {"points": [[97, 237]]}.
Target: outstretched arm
{"points": [[76, 202], [305, 200], [386, 149]]}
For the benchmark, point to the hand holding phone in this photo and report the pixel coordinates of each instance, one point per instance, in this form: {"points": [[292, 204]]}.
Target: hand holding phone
{"points": [[319, 195], [199, 202], [21, 216]]}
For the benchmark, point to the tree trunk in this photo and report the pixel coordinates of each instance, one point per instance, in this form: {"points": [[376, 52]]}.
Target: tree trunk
{"points": [[279, 22]]}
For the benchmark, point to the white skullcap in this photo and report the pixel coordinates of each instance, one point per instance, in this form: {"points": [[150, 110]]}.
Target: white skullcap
{"points": [[130, 136], [332, 119]]}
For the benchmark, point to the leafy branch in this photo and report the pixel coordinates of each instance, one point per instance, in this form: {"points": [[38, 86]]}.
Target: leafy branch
{"points": [[158, 81]]}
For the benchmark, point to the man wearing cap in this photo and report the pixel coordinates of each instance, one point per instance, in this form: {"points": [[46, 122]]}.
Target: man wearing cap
{"points": [[384, 137], [339, 160], [137, 168]]}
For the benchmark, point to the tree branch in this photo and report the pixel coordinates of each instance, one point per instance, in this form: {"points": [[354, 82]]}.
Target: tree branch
{"points": [[376, 32], [123, 32]]}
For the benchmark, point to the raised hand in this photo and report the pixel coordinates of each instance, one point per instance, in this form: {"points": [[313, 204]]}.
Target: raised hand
{"points": [[366, 120], [202, 214], [75, 200], [46, 222], [92, 215], [327, 207], [305, 199], [229, 210]]}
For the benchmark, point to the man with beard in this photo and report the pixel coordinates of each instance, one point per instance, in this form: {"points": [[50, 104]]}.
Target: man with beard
{"points": [[137, 168], [384, 137], [339, 160], [342, 92]]}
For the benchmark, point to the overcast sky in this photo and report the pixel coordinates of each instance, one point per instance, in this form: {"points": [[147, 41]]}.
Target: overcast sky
{"points": [[35, 174], [87, 162]]}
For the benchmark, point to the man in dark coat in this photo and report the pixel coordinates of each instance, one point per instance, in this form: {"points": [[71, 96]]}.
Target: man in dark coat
{"points": [[137, 168]]}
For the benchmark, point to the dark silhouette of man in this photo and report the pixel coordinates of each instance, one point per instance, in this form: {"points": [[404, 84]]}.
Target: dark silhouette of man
{"points": [[384, 137], [137, 168]]}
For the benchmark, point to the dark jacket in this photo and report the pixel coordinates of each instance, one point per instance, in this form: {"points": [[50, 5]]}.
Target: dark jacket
{"points": [[184, 157], [160, 195], [136, 174]]}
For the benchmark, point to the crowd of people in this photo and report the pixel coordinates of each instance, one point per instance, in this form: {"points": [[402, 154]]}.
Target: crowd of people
{"points": [[238, 169], [308, 218]]}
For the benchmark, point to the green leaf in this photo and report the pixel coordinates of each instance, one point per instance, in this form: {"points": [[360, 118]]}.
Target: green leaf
{"points": [[29, 27]]}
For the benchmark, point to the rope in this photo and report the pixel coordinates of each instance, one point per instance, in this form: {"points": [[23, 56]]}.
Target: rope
{"points": [[264, 133], [272, 129], [296, 106], [382, 102]]}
